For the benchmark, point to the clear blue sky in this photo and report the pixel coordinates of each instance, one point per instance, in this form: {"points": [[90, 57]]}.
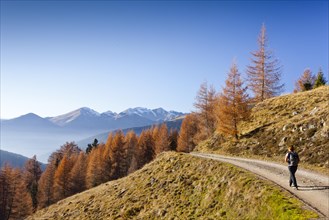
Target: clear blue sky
{"points": [[57, 56]]}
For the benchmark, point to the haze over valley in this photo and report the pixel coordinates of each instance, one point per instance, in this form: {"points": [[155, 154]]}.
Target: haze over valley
{"points": [[31, 134]]}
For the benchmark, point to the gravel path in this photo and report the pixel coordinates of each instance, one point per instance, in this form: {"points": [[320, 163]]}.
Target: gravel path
{"points": [[313, 188]]}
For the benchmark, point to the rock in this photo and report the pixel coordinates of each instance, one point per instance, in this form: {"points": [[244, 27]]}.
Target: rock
{"points": [[283, 141], [301, 129], [294, 113], [314, 111], [311, 126]]}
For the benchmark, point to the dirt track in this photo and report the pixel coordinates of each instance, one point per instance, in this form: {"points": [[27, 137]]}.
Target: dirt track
{"points": [[313, 187]]}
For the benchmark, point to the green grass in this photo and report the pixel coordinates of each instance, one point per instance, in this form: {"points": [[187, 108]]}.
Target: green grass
{"points": [[180, 186]]}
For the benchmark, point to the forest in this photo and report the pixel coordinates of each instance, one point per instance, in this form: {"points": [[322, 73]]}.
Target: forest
{"points": [[71, 170]]}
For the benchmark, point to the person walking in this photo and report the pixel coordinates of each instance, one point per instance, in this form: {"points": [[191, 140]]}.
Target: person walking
{"points": [[292, 159]]}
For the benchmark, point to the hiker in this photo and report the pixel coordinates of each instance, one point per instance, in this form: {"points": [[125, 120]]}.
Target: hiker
{"points": [[292, 159]]}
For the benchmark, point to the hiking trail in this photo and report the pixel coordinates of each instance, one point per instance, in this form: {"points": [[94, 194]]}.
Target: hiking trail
{"points": [[313, 187]]}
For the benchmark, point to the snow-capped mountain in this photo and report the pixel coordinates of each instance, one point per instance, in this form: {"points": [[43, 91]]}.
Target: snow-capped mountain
{"points": [[62, 120], [135, 116], [31, 134], [157, 115]]}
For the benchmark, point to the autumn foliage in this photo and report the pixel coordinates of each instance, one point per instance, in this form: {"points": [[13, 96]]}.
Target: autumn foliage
{"points": [[233, 104], [71, 170], [264, 73]]}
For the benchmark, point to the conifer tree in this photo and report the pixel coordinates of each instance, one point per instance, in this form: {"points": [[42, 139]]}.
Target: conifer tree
{"points": [[46, 186], [173, 139], [22, 203], [32, 174], [131, 142], [320, 79], [77, 176], [15, 202], [305, 82], [62, 175], [145, 149], [205, 104], [161, 139], [233, 104], [95, 175], [106, 163], [92, 146], [264, 73], [117, 155], [188, 131]]}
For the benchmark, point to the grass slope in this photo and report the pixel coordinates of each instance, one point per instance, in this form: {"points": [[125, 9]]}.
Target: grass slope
{"points": [[179, 186], [301, 119]]}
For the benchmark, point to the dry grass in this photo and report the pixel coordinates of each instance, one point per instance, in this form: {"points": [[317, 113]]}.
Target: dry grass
{"points": [[300, 119], [179, 186]]}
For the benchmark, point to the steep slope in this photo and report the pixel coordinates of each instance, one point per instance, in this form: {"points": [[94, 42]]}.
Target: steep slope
{"points": [[300, 119], [178, 186]]}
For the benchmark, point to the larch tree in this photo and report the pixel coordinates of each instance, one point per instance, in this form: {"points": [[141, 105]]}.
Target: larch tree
{"points": [[264, 73], [186, 139], [305, 82], [145, 150], [62, 178], [46, 186], [161, 140], [68, 149], [205, 105], [106, 163], [117, 155], [131, 142], [173, 139], [233, 104], [320, 79], [95, 175], [22, 203], [77, 176], [15, 202], [32, 174]]}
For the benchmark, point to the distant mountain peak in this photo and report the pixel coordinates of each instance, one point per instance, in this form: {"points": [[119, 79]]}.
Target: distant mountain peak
{"points": [[88, 111], [64, 119]]}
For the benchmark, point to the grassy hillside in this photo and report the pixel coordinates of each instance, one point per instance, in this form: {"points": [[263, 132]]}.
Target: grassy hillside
{"points": [[179, 186], [301, 119]]}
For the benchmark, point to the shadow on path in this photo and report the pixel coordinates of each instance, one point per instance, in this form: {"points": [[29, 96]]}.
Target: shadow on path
{"points": [[309, 188]]}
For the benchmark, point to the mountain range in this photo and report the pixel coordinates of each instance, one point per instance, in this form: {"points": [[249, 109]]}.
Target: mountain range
{"points": [[31, 134]]}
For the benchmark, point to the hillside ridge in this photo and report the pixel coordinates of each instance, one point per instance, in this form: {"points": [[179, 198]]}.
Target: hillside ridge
{"points": [[299, 119], [179, 186]]}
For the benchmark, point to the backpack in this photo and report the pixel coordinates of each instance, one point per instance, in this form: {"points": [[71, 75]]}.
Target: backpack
{"points": [[293, 159]]}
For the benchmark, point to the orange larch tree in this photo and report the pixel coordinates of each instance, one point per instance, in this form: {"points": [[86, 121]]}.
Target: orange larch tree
{"points": [[233, 104], [117, 155], [95, 175], [205, 104], [186, 139], [161, 140], [131, 142], [145, 148], [32, 174], [305, 82], [15, 202], [46, 186], [173, 139], [62, 178], [77, 176], [264, 74]]}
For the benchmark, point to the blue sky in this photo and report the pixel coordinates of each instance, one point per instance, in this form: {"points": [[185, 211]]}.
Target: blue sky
{"points": [[57, 56]]}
